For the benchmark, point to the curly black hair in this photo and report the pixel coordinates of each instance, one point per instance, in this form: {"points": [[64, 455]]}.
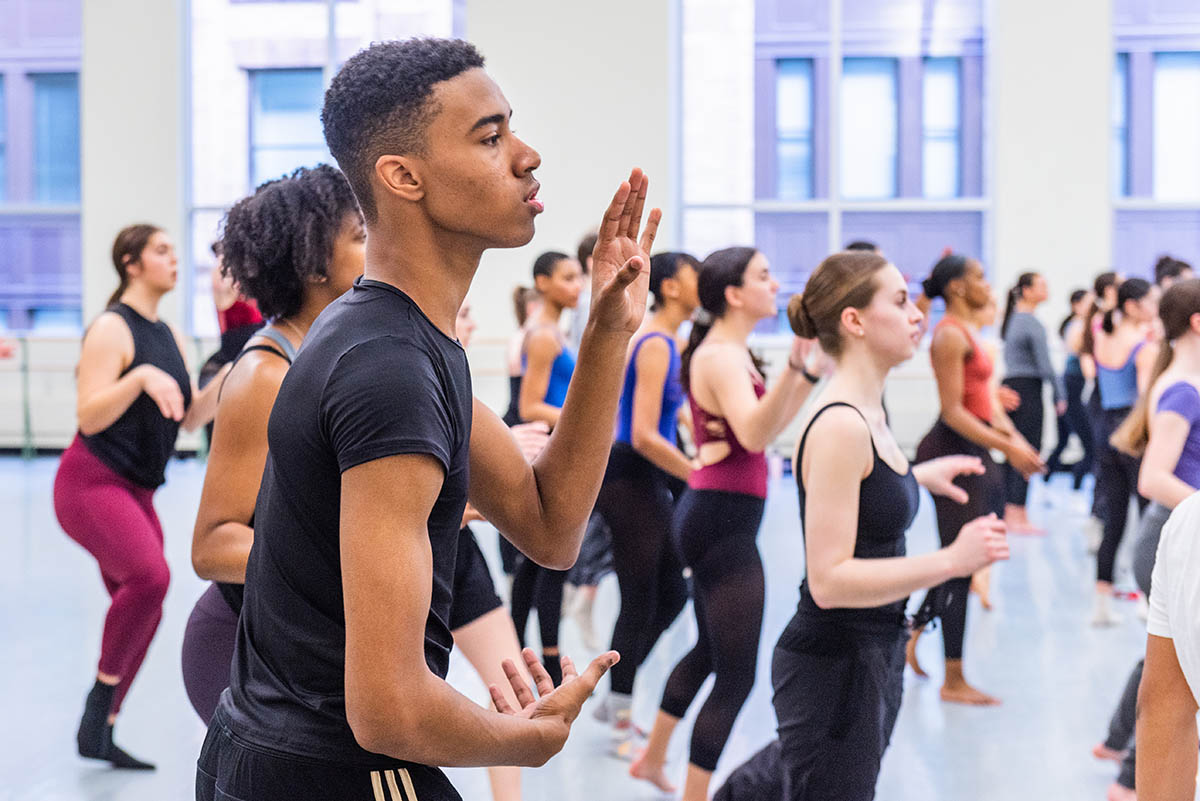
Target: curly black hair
{"points": [[277, 239], [378, 103]]}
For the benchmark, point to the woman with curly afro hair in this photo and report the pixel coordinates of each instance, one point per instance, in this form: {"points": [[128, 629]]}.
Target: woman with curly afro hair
{"points": [[293, 246]]}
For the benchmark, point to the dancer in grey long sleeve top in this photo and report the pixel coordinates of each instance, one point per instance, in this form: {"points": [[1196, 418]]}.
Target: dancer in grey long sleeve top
{"points": [[1026, 354]]}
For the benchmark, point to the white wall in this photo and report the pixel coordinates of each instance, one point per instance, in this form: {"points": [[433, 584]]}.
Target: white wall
{"points": [[589, 90], [132, 143], [1051, 94]]}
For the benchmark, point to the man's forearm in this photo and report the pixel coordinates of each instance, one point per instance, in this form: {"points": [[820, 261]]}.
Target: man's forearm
{"points": [[570, 469], [447, 729]]}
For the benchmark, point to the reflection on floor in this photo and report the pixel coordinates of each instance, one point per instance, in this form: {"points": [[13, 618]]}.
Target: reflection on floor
{"points": [[1059, 677]]}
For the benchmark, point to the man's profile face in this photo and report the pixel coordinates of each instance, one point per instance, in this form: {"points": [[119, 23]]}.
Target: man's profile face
{"points": [[477, 175]]}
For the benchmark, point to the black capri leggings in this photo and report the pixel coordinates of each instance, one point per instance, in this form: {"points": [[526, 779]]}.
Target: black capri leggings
{"points": [[1116, 481], [637, 505], [1028, 419], [1074, 421], [986, 495], [716, 533], [837, 697]]}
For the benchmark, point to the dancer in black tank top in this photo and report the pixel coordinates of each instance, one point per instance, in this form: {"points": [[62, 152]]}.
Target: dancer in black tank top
{"points": [[838, 666], [134, 394], [294, 245]]}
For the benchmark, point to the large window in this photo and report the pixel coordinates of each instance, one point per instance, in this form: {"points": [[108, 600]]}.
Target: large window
{"points": [[56, 138], [1177, 126], [40, 253], [1156, 133], [809, 123], [794, 129], [941, 128], [3, 145], [1120, 125], [285, 122], [869, 128]]}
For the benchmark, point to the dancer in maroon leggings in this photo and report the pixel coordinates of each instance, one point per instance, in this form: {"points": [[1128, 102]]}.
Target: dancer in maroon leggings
{"points": [[134, 394]]}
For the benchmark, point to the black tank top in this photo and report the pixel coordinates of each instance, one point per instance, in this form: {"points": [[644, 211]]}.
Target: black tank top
{"points": [[139, 444], [234, 594], [887, 504]]}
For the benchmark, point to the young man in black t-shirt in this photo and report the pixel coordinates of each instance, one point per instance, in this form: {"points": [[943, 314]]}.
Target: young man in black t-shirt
{"points": [[337, 688]]}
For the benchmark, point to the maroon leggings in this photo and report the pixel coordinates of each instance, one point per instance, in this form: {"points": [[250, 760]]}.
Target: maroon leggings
{"points": [[114, 520]]}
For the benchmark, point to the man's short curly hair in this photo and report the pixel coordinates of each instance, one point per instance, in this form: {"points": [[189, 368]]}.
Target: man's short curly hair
{"points": [[282, 236], [378, 103]]}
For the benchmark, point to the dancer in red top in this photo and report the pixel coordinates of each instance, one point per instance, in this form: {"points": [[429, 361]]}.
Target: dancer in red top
{"points": [[969, 424]]}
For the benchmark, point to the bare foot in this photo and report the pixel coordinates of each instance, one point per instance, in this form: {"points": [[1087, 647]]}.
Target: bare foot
{"points": [[910, 654], [655, 774], [966, 694], [981, 585], [1102, 751], [1119, 792]]}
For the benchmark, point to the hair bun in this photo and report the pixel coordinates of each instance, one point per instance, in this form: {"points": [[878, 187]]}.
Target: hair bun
{"points": [[931, 288], [799, 318]]}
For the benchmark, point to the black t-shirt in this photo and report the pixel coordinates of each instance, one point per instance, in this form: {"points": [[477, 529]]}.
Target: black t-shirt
{"points": [[375, 378]]}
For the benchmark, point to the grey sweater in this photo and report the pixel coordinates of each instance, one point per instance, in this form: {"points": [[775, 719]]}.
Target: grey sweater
{"points": [[1026, 354]]}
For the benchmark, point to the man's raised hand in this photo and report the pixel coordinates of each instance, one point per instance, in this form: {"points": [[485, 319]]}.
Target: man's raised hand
{"points": [[621, 259]]}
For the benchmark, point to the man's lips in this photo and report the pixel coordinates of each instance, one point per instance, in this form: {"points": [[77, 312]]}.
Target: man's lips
{"points": [[532, 198]]}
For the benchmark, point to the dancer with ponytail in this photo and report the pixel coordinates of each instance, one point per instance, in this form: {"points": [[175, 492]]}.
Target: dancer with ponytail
{"points": [[134, 394], [969, 423], [716, 521], [293, 246], [635, 498], [838, 667], [549, 364], [1164, 430], [1027, 369], [1124, 353]]}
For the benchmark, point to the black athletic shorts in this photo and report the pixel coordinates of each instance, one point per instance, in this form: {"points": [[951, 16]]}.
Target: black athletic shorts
{"points": [[474, 592], [230, 769]]}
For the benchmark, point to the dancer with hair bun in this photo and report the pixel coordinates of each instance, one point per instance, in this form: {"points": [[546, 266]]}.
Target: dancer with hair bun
{"points": [[838, 667], [969, 423], [716, 521]]}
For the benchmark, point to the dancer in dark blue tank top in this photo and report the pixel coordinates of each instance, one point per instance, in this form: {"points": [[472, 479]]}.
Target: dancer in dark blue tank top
{"points": [[549, 365], [635, 498], [293, 246], [839, 664], [134, 395]]}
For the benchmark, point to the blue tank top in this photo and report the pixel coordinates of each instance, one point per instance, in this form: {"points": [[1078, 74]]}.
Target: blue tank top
{"points": [[1118, 386], [672, 397], [561, 371], [560, 377]]}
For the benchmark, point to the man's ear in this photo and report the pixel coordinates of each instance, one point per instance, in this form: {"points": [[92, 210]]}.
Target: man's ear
{"points": [[399, 176]]}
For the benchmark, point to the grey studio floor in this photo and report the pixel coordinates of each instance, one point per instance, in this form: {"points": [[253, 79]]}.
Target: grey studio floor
{"points": [[1058, 676]]}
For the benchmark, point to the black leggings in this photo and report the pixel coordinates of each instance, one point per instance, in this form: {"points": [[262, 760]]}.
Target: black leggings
{"points": [[1116, 481], [716, 533], [1028, 419], [986, 494], [1074, 421], [637, 505], [538, 587]]}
